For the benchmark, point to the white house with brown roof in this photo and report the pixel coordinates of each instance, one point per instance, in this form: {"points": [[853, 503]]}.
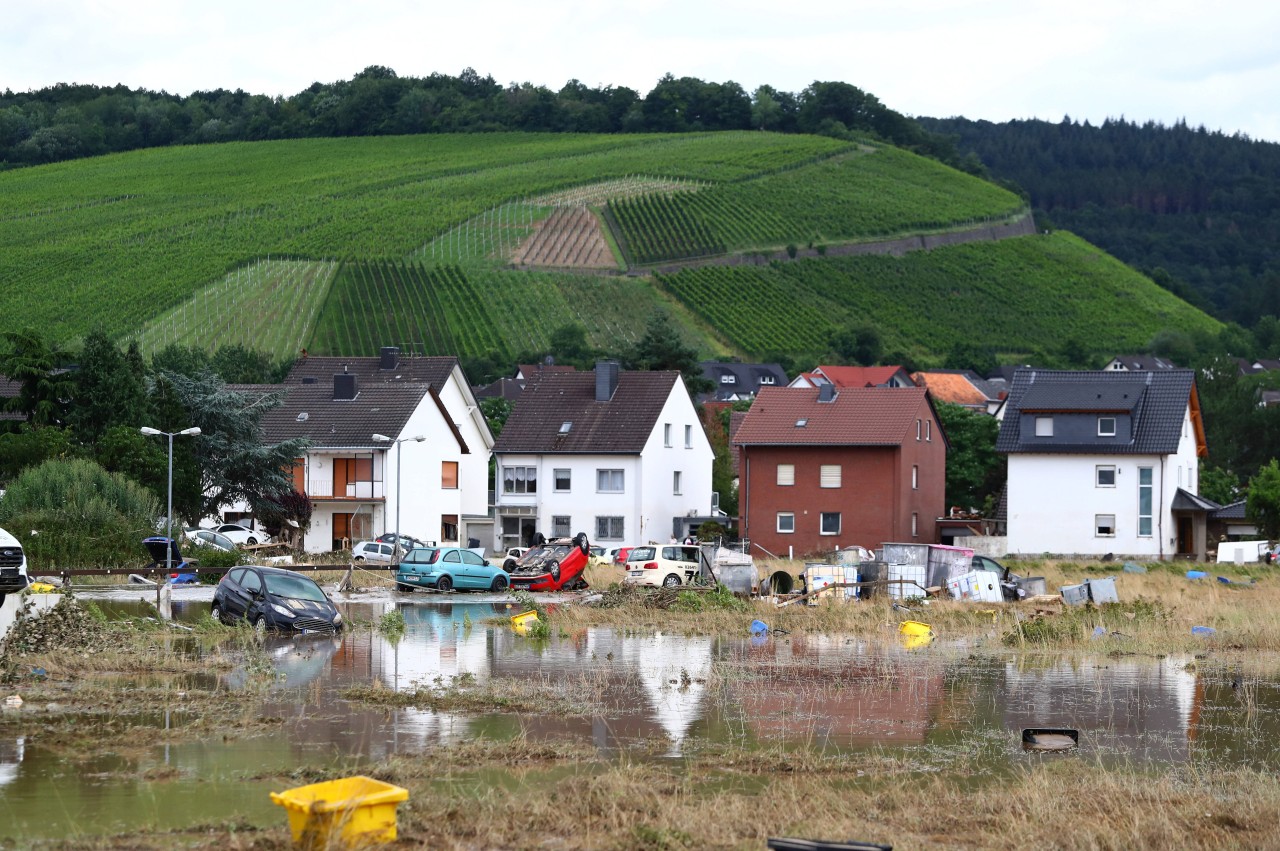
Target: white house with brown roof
{"points": [[620, 455], [359, 484]]}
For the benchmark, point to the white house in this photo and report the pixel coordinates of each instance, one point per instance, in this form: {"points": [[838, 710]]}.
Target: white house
{"points": [[360, 484], [1104, 462], [618, 455]]}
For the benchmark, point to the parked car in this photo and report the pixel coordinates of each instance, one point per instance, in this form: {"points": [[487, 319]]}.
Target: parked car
{"points": [[511, 556], [598, 556], [242, 534], [620, 554], [447, 569], [274, 598], [373, 551], [13, 566], [209, 538], [554, 566], [669, 566], [407, 542]]}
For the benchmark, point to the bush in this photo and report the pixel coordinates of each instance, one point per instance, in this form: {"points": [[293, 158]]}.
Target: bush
{"points": [[79, 515], [792, 250]]}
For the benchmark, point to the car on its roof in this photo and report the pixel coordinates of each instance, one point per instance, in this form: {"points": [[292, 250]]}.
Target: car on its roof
{"points": [[407, 542], [274, 598], [448, 569], [554, 566]]}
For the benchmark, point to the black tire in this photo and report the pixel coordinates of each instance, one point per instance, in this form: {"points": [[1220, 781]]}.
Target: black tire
{"points": [[580, 540], [554, 570], [509, 565], [215, 612], [260, 625], [444, 583], [404, 589], [358, 558], [499, 585], [671, 581], [251, 540], [2, 596]]}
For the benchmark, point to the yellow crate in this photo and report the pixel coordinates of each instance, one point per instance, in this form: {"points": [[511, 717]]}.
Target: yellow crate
{"points": [[915, 628], [521, 622], [345, 813]]}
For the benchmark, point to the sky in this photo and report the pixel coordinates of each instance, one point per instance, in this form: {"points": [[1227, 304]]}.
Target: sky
{"points": [[1212, 64]]}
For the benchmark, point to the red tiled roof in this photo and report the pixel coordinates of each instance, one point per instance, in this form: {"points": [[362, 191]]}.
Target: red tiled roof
{"points": [[858, 376], [858, 416], [951, 387]]}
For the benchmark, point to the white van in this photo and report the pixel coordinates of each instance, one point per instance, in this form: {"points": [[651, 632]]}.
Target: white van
{"points": [[13, 566], [1241, 552]]}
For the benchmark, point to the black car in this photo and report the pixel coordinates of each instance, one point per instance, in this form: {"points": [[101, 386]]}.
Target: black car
{"points": [[274, 598]]}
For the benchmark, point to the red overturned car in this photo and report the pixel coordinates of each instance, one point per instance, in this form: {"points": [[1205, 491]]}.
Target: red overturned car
{"points": [[554, 566]]}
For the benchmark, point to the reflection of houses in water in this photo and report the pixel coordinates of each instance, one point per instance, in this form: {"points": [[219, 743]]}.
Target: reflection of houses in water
{"points": [[673, 670], [835, 689], [1126, 704], [11, 751]]}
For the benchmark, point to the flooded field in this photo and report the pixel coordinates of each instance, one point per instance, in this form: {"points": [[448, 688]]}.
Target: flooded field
{"points": [[624, 694]]}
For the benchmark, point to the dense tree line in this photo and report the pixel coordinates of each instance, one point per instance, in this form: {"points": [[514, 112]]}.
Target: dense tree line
{"points": [[1198, 211], [69, 121]]}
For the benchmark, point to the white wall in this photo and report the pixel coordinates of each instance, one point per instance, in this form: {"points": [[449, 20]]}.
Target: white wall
{"points": [[659, 504], [1052, 501]]}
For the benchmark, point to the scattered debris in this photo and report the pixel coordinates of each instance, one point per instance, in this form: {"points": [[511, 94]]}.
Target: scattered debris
{"points": [[1130, 567], [1050, 739], [1203, 630], [1237, 583], [1196, 574], [759, 627], [13, 701]]}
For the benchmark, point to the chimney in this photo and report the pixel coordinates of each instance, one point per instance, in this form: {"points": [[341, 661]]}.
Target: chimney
{"points": [[827, 393], [389, 357], [344, 387], [606, 379]]}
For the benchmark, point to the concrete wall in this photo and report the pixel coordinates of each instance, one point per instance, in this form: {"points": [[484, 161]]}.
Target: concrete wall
{"points": [[13, 602]]}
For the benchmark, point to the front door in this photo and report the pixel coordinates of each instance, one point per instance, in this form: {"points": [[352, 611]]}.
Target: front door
{"points": [[1186, 536]]}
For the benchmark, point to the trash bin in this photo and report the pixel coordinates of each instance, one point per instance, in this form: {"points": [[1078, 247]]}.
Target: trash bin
{"points": [[351, 811]]}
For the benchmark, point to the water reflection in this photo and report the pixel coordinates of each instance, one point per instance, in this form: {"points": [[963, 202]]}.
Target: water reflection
{"points": [[834, 692]]}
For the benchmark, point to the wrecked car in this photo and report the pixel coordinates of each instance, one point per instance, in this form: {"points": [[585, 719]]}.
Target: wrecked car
{"points": [[554, 566]]}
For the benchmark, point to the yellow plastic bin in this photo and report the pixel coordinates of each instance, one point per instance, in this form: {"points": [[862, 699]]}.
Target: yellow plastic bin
{"points": [[521, 622], [915, 628], [345, 813]]}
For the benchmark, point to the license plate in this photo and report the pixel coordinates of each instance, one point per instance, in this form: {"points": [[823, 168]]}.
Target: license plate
{"points": [[636, 572]]}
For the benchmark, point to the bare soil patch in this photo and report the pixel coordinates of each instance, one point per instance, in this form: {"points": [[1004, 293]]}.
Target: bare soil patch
{"points": [[569, 238]]}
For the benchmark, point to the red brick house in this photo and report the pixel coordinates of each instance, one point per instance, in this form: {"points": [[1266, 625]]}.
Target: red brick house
{"points": [[825, 468]]}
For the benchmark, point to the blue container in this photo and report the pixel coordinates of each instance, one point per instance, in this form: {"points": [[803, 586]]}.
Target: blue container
{"points": [[1196, 574], [1203, 630], [759, 628]]}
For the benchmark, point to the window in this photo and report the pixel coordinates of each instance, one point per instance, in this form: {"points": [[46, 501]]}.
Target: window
{"points": [[519, 479], [560, 526], [688, 437], [563, 479], [452, 556], [786, 522], [675, 483], [767, 379], [919, 428], [1104, 525], [448, 527], [1044, 426], [915, 477], [449, 475], [831, 522], [609, 529], [829, 476], [915, 524], [666, 434], [609, 481], [1106, 426], [1106, 476], [786, 475], [726, 378], [1144, 501], [928, 430]]}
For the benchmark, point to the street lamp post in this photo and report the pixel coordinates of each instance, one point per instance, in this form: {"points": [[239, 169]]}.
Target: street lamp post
{"points": [[382, 438], [168, 515]]}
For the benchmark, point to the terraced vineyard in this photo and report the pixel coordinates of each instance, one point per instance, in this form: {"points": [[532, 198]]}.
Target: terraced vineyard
{"points": [[472, 311], [1020, 294]]}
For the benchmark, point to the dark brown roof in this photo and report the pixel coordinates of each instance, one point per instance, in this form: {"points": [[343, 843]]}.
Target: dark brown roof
{"points": [[621, 425], [385, 399], [858, 416]]}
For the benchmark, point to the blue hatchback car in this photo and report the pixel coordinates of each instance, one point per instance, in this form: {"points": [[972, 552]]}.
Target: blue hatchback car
{"points": [[447, 569]]}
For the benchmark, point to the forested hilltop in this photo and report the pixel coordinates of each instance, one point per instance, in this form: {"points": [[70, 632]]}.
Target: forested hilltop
{"points": [[71, 121], [1198, 211]]}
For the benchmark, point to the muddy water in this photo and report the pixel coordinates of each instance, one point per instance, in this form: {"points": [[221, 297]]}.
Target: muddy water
{"points": [[928, 704]]}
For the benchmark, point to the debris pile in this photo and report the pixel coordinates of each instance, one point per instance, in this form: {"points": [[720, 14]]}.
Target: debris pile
{"points": [[66, 626]]}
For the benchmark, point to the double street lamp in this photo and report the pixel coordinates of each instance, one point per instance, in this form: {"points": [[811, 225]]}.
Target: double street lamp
{"points": [[168, 516], [382, 438]]}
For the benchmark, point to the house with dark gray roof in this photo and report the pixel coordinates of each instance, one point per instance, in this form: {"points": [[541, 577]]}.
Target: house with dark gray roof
{"points": [[620, 455], [1105, 461], [396, 441], [736, 382]]}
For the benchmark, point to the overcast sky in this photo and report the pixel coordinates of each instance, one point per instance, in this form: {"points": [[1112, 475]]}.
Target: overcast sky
{"points": [[1216, 64]]}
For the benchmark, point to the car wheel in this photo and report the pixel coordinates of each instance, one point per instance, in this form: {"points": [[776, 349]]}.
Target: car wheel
{"points": [[406, 589], [444, 583], [215, 612], [554, 570], [509, 565], [251, 540], [357, 558], [671, 581], [499, 584], [260, 625], [581, 540]]}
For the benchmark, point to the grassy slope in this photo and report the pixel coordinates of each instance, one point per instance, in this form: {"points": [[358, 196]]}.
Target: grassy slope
{"points": [[154, 236]]}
